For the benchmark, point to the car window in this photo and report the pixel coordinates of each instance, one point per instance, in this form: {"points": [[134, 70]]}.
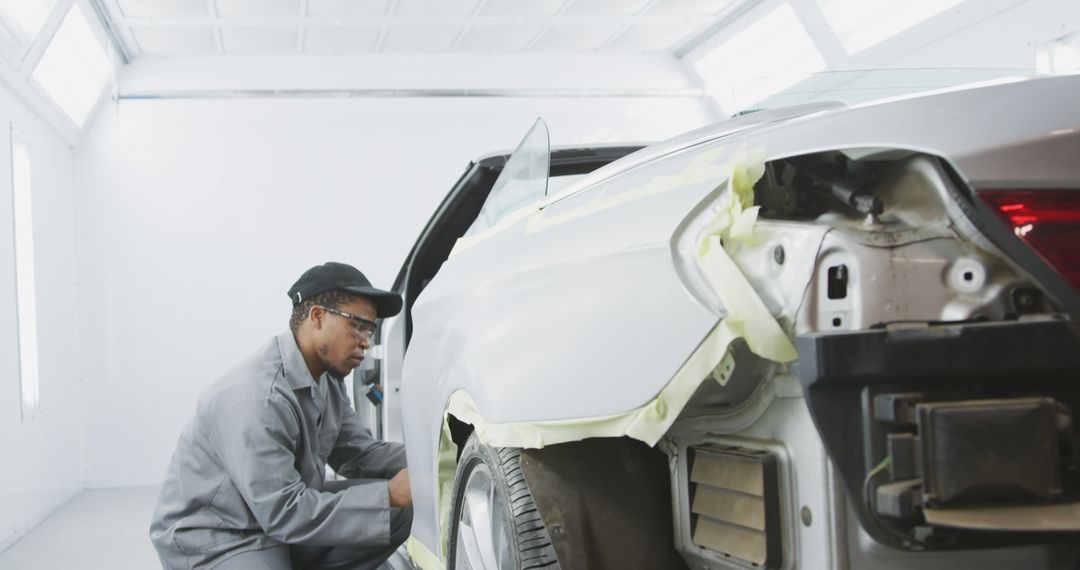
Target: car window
{"points": [[523, 180]]}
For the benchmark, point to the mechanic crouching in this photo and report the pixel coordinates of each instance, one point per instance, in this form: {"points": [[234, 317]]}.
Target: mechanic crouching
{"points": [[246, 489]]}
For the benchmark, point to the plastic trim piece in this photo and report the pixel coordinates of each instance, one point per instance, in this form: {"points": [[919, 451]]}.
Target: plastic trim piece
{"points": [[1056, 517], [421, 556], [959, 350], [840, 373]]}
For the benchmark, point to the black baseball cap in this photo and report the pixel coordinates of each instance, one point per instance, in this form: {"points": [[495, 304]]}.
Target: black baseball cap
{"points": [[333, 275]]}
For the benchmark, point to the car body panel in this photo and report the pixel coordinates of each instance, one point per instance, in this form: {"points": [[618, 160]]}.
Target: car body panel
{"points": [[517, 364], [585, 306]]}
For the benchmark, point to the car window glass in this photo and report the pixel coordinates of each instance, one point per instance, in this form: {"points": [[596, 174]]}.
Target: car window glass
{"points": [[523, 180]]}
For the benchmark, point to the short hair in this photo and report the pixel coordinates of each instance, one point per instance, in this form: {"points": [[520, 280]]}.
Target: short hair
{"points": [[333, 299]]}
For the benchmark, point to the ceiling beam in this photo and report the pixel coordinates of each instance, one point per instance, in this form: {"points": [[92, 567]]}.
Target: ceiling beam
{"points": [[557, 20], [118, 43], [639, 93], [518, 75]]}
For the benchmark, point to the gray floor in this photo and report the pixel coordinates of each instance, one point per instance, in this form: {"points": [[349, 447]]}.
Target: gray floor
{"points": [[100, 528]]}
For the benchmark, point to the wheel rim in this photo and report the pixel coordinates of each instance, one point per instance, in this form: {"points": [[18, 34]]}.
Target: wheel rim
{"points": [[481, 542]]}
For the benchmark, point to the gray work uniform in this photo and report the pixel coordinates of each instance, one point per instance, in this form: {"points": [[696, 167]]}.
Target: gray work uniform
{"points": [[247, 476]]}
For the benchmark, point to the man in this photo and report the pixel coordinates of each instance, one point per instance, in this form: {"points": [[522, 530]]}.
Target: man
{"points": [[246, 487]]}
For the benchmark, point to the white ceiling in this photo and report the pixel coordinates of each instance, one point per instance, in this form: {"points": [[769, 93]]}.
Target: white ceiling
{"points": [[156, 28]]}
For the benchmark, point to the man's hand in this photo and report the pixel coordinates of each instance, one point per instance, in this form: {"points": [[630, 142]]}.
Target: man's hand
{"points": [[400, 491]]}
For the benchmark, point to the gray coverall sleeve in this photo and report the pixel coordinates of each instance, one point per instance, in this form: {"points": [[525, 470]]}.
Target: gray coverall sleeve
{"points": [[358, 455], [254, 440]]}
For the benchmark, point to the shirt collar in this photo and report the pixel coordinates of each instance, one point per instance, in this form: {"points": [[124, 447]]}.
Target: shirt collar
{"points": [[296, 371]]}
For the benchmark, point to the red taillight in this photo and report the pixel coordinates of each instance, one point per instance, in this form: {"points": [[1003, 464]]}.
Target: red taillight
{"points": [[1048, 221]]}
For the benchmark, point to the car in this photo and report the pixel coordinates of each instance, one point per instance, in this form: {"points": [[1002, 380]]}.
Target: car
{"points": [[822, 336]]}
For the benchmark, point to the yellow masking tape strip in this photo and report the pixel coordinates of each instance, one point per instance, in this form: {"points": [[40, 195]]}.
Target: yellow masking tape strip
{"points": [[421, 556], [747, 315], [447, 468], [465, 242], [647, 423], [703, 168]]}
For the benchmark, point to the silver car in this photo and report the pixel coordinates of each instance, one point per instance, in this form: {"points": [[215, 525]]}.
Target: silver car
{"points": [[823, 336]]}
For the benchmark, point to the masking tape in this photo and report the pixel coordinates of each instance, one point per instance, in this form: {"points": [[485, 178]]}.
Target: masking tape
{"points": [[702, 168], [446, 466], [747, 314], [504, 223], [421, 556]]}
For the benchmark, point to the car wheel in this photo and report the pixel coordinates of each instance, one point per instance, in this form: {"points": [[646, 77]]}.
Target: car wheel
{"points": [[494, 524]]}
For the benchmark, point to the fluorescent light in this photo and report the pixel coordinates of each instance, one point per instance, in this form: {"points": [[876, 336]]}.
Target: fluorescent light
{"points": [[74, 68], [24, 18], [865, 23], [766, 57], [26, 302]]}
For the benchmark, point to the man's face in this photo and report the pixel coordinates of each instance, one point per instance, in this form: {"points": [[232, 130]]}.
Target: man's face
{"points": [[340, 345]]}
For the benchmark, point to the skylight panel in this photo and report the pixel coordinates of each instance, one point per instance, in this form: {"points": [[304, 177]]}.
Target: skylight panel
{"points": [[861, 24], [766, 57], [23, 19], [74, 68]]}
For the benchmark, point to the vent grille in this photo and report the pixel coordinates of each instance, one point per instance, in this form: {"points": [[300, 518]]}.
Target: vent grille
{"points": [[734, 500]]}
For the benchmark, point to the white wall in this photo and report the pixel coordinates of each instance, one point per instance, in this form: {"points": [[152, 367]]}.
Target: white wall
{"points": [[42, 459], [197, 215]]}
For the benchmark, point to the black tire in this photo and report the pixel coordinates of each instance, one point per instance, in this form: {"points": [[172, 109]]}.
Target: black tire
{"points": [[527, 540]]}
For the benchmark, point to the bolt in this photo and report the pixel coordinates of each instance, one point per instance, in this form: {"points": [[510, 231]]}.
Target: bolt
{"points": [[778, 254], [806, 516]]}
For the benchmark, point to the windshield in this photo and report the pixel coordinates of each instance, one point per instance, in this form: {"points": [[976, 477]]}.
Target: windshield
{"points": [[523, 180]]}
